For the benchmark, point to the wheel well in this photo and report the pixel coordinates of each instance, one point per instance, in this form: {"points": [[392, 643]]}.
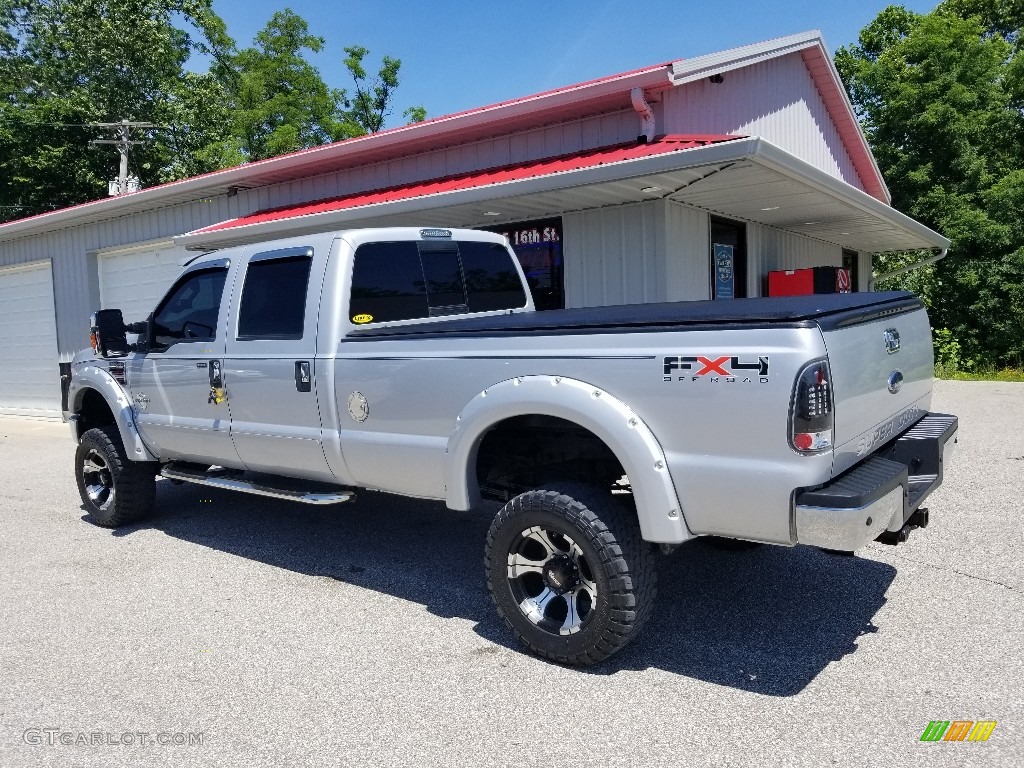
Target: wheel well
{"points": [[524, 452], [93, 412]]}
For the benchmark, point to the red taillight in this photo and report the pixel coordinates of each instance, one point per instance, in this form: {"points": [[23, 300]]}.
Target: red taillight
{"points": [[811, 421], [803, 441]]}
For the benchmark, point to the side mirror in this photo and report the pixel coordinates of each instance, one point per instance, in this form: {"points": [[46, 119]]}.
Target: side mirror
{"points": [[108, 333]]}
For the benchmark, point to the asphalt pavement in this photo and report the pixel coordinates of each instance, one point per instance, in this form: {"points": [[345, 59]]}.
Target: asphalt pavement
{"points": [[231, 630]]}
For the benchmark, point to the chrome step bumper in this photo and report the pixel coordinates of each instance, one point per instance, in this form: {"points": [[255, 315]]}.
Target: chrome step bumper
{"points": [[879, 496]]}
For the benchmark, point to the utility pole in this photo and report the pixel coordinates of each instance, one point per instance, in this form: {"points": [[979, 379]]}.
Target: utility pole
{"points": [[122, 132]]}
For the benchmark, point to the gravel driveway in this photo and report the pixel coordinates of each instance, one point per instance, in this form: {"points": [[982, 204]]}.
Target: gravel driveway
{"points": [[236, 631]]}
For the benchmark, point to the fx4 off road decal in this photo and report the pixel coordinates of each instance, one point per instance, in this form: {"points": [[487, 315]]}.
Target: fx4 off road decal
{"points": [[728, 369]]}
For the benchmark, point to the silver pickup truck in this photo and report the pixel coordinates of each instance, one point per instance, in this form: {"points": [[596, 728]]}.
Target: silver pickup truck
{"points": [[411, 361]]}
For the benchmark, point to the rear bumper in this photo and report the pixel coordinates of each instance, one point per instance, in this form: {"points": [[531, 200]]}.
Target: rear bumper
{"points": [[881, 493]]}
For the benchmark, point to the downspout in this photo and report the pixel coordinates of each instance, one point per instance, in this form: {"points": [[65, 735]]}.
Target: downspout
{"points": [[904, 270], [646, 115]]}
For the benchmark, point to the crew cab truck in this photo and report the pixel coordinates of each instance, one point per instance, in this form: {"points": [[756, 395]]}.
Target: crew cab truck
{"points": [[411, 361]]}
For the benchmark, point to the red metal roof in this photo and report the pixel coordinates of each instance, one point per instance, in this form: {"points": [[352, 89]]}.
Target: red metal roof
{"points": [[488, 177]]}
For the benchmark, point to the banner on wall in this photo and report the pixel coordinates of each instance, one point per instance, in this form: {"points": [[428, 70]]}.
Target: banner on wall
{"points": [[725, 273]]}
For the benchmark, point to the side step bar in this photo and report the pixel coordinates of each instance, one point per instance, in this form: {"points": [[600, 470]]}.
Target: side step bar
{"points": [[232, 480]]}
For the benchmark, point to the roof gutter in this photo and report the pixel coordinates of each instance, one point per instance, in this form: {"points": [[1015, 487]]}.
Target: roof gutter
{"points": [[916, 265]]}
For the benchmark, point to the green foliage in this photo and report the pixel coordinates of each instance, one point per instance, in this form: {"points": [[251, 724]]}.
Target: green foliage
{"points": [[939, 97], [281, 102], [947, 353], [371, 103], [68, 64]]}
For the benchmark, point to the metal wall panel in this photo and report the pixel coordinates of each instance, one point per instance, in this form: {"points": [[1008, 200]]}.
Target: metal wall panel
{"points": [[688, 275], [786, 250], [771, 249], [637, 253], [776, 100], [614, 255]]}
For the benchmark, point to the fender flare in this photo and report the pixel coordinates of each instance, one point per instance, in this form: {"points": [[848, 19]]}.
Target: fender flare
{"points": [[615, 423], [98, 379]]}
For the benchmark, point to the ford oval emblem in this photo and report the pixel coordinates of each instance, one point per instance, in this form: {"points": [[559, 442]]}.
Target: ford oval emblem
{"points": [[892, 340], [895, 381]]}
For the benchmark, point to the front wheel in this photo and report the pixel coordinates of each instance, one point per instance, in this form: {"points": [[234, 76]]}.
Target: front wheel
{"points": [[114, 490], [569, 573]]}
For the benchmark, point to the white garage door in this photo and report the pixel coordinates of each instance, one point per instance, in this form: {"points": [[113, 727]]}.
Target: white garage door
{"points": [[30, 374], [135, 280]]}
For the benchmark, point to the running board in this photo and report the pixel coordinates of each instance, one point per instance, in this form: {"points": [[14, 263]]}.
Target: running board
{"points": [[231, 480]]}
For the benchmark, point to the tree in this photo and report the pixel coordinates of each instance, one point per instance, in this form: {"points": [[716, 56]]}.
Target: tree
{"points": [[371, 104], [67, 64], [939, 97], [281, 103]]}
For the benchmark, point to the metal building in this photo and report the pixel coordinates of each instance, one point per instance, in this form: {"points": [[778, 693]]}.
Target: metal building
{"points": [[612, 191]]}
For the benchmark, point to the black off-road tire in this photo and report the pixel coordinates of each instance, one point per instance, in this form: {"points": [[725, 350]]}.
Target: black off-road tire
{"points": [[572, 529], [114, 490]]}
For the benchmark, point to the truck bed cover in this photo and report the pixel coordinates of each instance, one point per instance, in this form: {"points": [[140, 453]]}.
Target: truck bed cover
{"points": [[827, 311]]}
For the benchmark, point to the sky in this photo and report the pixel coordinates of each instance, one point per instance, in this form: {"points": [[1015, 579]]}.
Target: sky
{"points": [[460, 55]]}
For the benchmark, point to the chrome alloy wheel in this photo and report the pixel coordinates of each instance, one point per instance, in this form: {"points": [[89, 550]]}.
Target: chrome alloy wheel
{"points": [[551, 580], [98, 479]]}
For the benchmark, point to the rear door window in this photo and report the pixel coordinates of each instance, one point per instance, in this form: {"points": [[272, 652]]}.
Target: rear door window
{"points": [[273, 304]]}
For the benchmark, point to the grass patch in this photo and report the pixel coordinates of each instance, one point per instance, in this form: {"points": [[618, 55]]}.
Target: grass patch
{"points": [[1005, 374]]}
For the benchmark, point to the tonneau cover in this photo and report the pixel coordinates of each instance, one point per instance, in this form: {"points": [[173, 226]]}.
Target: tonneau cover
{"points": [[832, 310]]}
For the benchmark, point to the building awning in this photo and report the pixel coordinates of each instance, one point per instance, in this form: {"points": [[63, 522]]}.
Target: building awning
{"points": [[742, 178]]}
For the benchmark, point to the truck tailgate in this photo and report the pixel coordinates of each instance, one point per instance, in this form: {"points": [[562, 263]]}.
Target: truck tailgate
{"points": [[882, 367]]}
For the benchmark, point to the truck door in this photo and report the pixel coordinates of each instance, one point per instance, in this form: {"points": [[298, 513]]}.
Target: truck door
{"points": [[174, 382], [270, 364]]}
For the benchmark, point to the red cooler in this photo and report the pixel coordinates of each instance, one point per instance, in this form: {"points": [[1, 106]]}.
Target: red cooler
{"points": [[803, 282]]}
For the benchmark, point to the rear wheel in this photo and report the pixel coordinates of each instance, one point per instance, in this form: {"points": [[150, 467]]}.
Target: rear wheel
{"points": [[115, 491], [569, 573]]}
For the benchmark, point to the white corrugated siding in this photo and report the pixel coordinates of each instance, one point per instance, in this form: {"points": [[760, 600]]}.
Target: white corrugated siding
{"points": [[635, 254], [134, 281], [614, 256], [29, 377], [688, 232], [785, 250], [776, 100]]}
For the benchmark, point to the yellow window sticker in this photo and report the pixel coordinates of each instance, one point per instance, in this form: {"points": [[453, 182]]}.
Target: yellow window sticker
{"points": [[360, 319]]}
